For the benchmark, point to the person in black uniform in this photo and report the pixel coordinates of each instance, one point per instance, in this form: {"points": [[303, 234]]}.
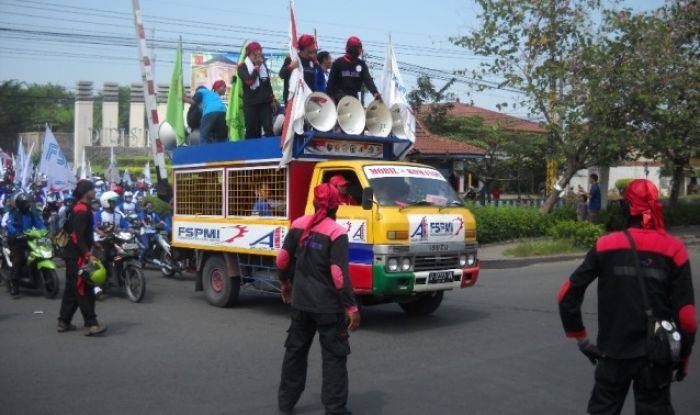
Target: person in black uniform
{"points": [[309, 63], [77, 293], [349, 73], [622, 354], [313, 264], [259, 104]]}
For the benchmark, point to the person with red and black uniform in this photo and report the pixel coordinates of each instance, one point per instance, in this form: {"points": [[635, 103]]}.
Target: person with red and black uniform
{"points": [[349, 73], [78, 251], [313, 264], [341, 183], [621, 355], [259, 103], [308, 61]]}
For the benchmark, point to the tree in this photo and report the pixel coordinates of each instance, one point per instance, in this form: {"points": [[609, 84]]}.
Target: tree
{"points": [[28, 107], [426, 93], [662, 49], [549, 49]]}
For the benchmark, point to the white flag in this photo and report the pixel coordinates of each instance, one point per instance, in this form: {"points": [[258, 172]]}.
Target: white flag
{"points": [[112, 174], [394, 92], [126, 178], [294, 120], [21, 156], [83, 167], [54, 165], [147, 173], [27, 170]]}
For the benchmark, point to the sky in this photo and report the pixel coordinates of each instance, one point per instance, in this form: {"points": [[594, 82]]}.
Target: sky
{"points": [[420, 32]]}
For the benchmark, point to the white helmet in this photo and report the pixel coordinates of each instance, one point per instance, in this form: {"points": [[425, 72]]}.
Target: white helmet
{"points": [[128, 194], [106, 197]]}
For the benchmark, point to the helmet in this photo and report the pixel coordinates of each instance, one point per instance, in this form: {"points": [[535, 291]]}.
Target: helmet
{"points": [[22, 201], [107, 197], [128, 194], [94, 272]]}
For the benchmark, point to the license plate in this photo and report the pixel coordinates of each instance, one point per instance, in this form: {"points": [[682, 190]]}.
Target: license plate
{"points": [[439, 277], [130, 246]]}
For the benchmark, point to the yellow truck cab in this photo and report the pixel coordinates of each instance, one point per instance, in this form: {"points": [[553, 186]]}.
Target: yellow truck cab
{"points": [[411, 238]]}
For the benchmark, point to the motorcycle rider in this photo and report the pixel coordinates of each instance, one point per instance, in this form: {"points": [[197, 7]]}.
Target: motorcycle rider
{"points": [[109, 216], [128, 206], [78, 252], [50, 214], [151, 220], [63, 211], [22, 218]]}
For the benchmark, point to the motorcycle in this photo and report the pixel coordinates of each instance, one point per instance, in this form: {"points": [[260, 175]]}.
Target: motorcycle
{"points": [[160, 254], [123, 268], [39, 272]]}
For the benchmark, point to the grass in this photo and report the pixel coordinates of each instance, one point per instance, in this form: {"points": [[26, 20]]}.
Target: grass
{"points": [[542, 247]]}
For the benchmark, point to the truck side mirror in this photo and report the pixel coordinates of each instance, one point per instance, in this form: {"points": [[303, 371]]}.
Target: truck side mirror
{"points": [[367, 198]]}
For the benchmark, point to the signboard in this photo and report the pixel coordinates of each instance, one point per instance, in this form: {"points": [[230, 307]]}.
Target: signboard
{"points": [[379, 171], [209, 67], [355, 228], [435, 228], [327, 147], [245, 236]]}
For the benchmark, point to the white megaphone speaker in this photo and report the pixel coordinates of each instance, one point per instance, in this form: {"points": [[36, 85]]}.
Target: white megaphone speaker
{"points": [[378, 119], [351, 115], [320, 112], [167, 135], [399, 118], [278, 124]]}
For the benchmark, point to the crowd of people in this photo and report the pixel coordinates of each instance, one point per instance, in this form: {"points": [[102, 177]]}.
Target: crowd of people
{"points": [[39, 207], [344, 76]]}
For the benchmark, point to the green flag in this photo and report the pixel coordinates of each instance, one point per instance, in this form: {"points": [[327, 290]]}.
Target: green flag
{"points": [[175, 114], [234, 112]]}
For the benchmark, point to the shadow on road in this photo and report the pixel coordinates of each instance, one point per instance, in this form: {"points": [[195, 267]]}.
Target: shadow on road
{"points": [[387, 320], [118, 328]]}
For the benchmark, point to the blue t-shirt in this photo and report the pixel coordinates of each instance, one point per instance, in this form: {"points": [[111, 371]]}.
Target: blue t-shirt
{"points": [[209, 101], [19, 222], [594, 201], [262, 207]]}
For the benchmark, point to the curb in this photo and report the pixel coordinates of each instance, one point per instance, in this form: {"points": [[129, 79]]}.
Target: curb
{"points": [[523, 262]]}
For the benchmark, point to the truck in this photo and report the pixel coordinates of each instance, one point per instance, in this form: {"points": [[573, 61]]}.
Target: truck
{"points": [[411, 237]]}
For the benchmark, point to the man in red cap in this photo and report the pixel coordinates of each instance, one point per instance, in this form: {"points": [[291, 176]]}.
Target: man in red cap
{"points": [[259, 104], [349, 73], [644, 284], [309, 64], [213, 125], [341, 183], [313, 264]]}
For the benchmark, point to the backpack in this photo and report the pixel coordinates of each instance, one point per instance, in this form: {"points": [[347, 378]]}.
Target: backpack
{"points": [[63, 236], [194, 117]]}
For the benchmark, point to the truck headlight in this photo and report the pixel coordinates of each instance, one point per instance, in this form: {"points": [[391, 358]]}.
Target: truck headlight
{"points": [[405, 264], [471, 259], [392, 264], [462, 260]]}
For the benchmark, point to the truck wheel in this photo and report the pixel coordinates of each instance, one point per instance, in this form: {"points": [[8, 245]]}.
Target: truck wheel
{"points": [[423, 305], [220, 289]]}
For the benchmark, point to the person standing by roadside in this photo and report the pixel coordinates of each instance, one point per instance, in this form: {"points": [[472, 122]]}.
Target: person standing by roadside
{"points": [[645, 305], [594, 198], [314, 278], [77, 293]]}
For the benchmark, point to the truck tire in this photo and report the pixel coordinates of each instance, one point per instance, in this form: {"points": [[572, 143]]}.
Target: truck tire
{"points": [[220, 289], [425, 304]]}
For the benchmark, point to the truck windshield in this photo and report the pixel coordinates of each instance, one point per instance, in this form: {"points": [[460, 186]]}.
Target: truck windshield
{"points": [[410, 186]]}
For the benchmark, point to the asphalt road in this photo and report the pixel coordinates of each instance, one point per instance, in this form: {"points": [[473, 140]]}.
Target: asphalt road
{"points": [[497, 348]]}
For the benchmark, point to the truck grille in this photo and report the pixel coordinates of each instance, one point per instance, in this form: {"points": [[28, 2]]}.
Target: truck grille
{"points": [[435, 262]]}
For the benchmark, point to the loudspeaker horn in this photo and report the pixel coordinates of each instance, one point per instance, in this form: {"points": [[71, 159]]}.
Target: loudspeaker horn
{"points": [[167, 135], [351, 115], [277, 124], [320, 112], [399, 118], [379, 122]]}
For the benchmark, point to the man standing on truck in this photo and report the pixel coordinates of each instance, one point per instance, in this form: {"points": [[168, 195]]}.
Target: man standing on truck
{"points": [[213, 125], [314, 278], [259, 104], [349, 73], [643, 281]]}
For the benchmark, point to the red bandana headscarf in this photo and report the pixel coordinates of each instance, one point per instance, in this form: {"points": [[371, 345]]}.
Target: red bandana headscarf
{"points": [[326, 197], [644, 201]]}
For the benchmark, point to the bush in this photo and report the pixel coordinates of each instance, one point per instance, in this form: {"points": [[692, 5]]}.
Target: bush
{"points": [[566, 212], [581, 234], [495, 224], [683, 214], [621, 185]]}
